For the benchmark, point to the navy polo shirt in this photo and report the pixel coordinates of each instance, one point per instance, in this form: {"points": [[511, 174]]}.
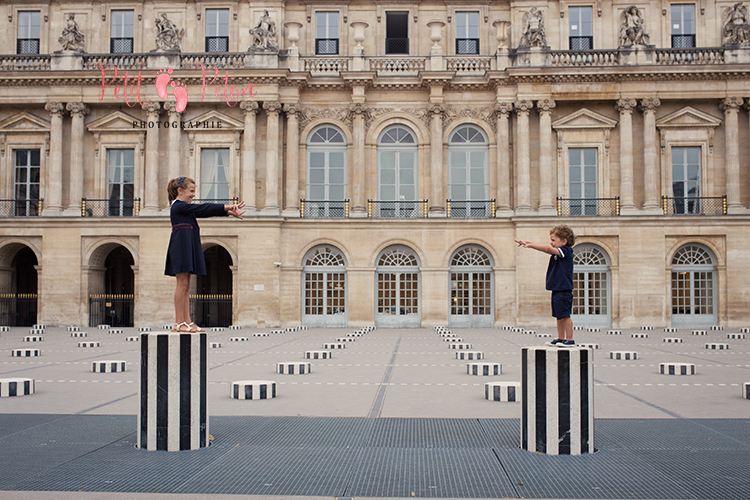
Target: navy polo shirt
{"points": [[560, 270]]}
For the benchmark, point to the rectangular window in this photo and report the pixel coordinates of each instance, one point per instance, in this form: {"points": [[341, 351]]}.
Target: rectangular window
{"points": [[467, 32], [686, 180], [215, 175], [27, 181], [120, 179], [683, 26], [397, 33], [121, 41], [580, 28], [217, 30], [326, 32], [27, 41], [582, 179]]}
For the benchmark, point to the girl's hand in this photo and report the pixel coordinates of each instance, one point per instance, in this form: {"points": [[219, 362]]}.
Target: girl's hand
{"points": [[236, 210]]}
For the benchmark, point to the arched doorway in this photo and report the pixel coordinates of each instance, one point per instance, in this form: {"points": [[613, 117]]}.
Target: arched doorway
{"points": [[211, 295], [324, 288], [112, 288], [471, 288], [591, 304], [18, 287], [397, 293], [693, 287]]}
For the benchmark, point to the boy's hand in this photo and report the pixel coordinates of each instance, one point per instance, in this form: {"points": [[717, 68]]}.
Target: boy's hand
{"points": [[524, 244]]}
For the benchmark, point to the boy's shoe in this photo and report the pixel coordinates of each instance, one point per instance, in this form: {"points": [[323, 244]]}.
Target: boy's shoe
{"points": [[567, 343], [555, 342]]}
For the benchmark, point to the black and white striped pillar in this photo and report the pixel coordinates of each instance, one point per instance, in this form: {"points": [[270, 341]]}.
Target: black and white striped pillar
{"points": [[173, 412], [557, 408]]}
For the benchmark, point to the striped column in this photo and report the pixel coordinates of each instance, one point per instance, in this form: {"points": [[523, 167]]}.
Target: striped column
{"points": [[173, 412], [557, 409]]}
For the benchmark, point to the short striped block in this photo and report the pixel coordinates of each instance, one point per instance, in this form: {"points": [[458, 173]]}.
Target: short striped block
{"points": [[557, 400], [276, 332], [235, 327], [462, 346], [292, 368], [447, 335], [4, 328], [517, 330], [103, 327], [470, 355], [670, 330], [252, 389], [614, 332], [529, 332], [291, 329], [144, 329], [239, 339], [588, 346], [639, 335], [132, 339], [700, 332], [79, 334], [217, 329], [215, 345], [318, 354], [484, 369], [746, 390], [74, 329], [346, 339], [173, 409], [36, 331], [167, 327], [302, 328], [716, 328], [39, 327], [260, 334], [717, 347], [543, 335], [89, 344], [578, 328], [509, 392], [453, 339], [507, 328], [672, 340], [334, 345], [109, 366], [355, 334], [25, 353], [11, 387], [623, 355], [593, 330], [33, 338], [736, 336], [116, 331], [742, 330], [677, 368], [647, 328]]}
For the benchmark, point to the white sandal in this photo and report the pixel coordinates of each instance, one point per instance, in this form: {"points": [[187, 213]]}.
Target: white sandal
{"points": [[176, 328]]}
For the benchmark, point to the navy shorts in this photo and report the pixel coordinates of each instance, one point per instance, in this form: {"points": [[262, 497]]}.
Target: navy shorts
{"points": [[562, 304]]}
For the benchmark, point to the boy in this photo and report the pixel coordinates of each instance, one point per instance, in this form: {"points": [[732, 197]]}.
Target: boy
{"points": [[559, 279]]}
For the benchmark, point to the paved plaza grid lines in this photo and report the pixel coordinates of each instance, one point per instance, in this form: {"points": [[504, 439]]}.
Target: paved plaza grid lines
{"points": [[393, 414]]}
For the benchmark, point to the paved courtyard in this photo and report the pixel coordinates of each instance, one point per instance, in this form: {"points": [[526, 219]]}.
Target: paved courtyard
{"points": [[394, 414]]}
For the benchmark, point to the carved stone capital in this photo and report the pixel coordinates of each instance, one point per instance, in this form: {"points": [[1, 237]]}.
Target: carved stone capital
{"points": [[77, 108], [523, 106], [545, 105], [626, 105], [503, 108], [152, 108], [54, 108], [437, 110], [358, 108], [272, 107], [171, 108], [249, 107], [650, 104], [730, 103], [292, 109]]}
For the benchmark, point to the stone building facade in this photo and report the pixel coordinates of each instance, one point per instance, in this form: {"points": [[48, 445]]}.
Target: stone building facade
{"points": [[388, 154]]}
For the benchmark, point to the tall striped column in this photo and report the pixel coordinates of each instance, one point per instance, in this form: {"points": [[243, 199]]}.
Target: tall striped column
{"points": [[557, 406], [173, 412]]}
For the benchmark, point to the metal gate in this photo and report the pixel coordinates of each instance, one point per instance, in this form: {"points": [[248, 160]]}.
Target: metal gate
{"points": [[18, 309], [211, 310], [112, 310]]}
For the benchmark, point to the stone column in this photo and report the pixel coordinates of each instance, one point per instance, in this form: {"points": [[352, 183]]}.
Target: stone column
{"points": [[502, 111], [651, 200], [546, 201], [78, 111], [174, 164], [358, 178], [437, 197], [625, 107], [151, 175], [523, 162], [53, 188], [247, 190], [291, 204], [273, 108], [731, 108]]}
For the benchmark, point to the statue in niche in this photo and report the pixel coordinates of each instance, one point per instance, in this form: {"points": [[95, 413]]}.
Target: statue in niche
{"points": [[736, 30], [631, 28], [533, 29], [168, 37], [72, 38], [264, 34]]}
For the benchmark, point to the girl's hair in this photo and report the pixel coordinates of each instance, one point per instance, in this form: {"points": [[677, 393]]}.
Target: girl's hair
{"points": [[564, 233], [179, 182]]}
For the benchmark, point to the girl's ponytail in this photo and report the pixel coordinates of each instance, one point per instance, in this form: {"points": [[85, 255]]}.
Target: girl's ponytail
{"points": [[179, 182]]}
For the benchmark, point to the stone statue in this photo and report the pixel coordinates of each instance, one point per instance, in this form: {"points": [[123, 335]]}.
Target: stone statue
{"points": [[72, 38], [631, 28], [736, 30], [264, 34], [533, 29], [168, 37]]}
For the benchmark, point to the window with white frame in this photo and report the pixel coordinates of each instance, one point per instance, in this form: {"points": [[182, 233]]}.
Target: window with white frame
{"points": [[121, 39], [27, 171], [397, 173], [326, 173], [580, 28], [27, 40], [217, 30], [686, 179], [326, 32], [683, 25], [468, 176], [215, 175], [120, 182], [582, 180], [467, 32]]}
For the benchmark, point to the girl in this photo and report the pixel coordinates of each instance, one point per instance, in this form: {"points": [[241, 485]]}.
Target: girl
{"points": [[185, 253]]}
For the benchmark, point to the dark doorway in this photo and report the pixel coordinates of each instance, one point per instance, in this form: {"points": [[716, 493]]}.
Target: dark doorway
{"points": [[211, 304], [115, 307], [397, 33], [19, 307]]}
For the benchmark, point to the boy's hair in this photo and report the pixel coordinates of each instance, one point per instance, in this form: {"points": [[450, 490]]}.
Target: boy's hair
{"points": [[178, 182], [564, 233]]}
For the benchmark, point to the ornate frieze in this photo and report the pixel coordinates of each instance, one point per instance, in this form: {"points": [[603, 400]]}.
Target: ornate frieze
{"points": [[308, 115], [484, 114]]}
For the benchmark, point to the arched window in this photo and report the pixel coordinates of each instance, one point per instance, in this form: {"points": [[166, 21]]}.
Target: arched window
{"points": [[397, 173], [324, 294], [471, 288], [326, 165], [693, 284], [468, 173], [397, 294], [590, 287]]}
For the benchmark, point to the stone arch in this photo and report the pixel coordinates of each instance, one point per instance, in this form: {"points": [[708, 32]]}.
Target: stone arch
{"points": [[471, 241], [97, 252], [393, 242], [209, 242], [605, 246], [378, 125], [305, 132], [481, 125], [714, 250], [11, 246], [322, 242]]}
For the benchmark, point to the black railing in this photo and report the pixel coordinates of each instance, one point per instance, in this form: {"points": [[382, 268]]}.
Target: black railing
{"points": [[325, 46], [324, 209], [112, 310], [397, 209], [217, 44], [21, 208], [211, 310], [692, 205], [581, 42], [27, 46], [467, 45], [456, 209], [606, 207], [683, 41], [110, 208], [396, 45], [121, 45], [18, 309]]}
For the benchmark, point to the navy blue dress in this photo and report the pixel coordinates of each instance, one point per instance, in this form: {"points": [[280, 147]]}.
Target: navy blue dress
{"points": [[185, 253]]}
